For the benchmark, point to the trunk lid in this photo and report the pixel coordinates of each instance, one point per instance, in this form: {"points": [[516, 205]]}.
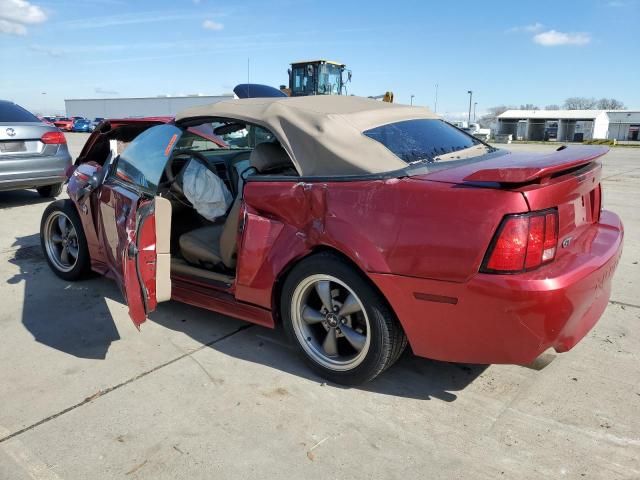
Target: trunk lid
{"points": [[23, 139], [567, 179]]}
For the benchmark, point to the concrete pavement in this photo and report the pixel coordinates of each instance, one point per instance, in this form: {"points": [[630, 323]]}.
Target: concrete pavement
{"points": [[83, 394]]}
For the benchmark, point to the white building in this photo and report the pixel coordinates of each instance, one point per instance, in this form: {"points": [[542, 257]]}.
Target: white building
{"points": [[136, 107], [570, 125]]}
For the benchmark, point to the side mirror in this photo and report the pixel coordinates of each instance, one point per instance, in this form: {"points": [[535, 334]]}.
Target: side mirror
{"points": [[348, 75], [94, 182], [289, 72]]}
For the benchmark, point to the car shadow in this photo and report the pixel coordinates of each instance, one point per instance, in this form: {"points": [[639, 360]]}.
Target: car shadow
{"points": [[410, 377], [70, 317], [18, 198], [73, 317]]}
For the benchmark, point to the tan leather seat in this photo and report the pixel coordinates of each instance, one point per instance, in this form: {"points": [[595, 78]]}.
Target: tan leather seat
{"points": [[216, 245], [213, 245]]}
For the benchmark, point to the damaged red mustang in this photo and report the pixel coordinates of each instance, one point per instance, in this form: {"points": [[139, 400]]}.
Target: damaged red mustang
{"points": [[361, 226]]}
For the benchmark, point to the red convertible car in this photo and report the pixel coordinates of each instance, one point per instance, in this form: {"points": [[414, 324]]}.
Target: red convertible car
{"points": [[359, 225]]}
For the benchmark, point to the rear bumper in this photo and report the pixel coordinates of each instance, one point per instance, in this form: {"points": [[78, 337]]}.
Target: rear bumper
{"points": [[510, 318], [34, 171]]}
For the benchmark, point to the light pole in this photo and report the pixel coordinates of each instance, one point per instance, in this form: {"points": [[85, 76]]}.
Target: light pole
{"points": [[412, 98], [474, 110], [470, 92]]}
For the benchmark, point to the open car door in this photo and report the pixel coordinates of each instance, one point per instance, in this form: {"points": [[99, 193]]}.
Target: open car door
{"points": [[147, 262], [135, 223]]}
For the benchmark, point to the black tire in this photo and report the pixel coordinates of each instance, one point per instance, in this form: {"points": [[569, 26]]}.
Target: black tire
{"points": [[387, 339], [50, 191], [82, 266]]}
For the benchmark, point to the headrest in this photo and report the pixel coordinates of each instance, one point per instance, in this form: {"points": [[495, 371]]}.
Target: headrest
{"points": [[269, 156]]}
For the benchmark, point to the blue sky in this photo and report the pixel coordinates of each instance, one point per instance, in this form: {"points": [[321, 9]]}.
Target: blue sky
{"points": [[507, 52]]}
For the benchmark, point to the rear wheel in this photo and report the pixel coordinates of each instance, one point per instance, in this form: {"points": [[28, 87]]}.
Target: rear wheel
{"points": [[342, 325], [63, 242], [50, 190]]}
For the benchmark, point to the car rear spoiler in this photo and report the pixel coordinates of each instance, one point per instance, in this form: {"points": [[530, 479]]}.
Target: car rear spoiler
{"points": [[563, 159]]}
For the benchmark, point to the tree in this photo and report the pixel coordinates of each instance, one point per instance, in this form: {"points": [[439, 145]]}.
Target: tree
{"points": [[610, 104], [580, 103], [487, 120], [553, 106], [529, 106]]}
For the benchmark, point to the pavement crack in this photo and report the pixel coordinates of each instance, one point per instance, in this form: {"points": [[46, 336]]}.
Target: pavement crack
{"points": [[618, 174], [102, 393], [623, 304]]}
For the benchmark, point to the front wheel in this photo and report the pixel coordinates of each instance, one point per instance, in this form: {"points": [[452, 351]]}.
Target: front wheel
{"points": [[63, 241], [341, 324]]}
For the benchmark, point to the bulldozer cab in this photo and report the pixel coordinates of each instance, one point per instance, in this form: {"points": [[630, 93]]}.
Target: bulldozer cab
{"points": [[317, 77]]}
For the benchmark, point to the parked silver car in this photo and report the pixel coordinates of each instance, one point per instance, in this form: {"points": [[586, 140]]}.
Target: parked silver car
{"points": [[32, 154]]}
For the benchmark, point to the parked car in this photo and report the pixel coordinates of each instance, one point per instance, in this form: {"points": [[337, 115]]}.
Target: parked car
{"points": [[81, 125], [63, 123], [359, 225], [32, 153], [96, 121], [477, 131], [45, 120]]}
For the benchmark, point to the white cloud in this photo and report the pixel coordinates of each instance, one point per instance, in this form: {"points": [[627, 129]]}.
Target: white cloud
{"points": [[211, 25], [553, 38], [12, 28], [532, 28], [104, 91], [52, 52], [16, 14], [118, 20]]}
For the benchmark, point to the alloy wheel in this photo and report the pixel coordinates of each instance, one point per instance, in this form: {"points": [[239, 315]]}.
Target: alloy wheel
{"points": [[330, 322], [61, 241]]}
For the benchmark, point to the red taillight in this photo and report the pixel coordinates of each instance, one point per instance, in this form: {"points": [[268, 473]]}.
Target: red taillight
{"points": [[53, 138], [510, 247], [523, 242], [550, 237]]}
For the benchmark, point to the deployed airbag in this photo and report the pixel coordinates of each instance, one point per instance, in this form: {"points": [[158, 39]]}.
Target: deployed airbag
{"points": [[205, 190]]}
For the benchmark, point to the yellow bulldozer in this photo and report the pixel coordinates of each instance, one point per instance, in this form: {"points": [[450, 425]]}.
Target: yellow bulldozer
{"points": [[321, 77]]}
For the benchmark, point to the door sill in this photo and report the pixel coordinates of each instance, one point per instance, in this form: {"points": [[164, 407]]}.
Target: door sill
{"points": [[183, 271]]}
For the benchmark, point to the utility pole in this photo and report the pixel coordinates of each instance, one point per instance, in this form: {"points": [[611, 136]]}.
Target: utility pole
{"points": [[435, 105], [474, 110], [470, 92]]}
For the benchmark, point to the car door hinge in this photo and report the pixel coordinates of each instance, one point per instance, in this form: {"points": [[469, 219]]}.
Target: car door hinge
{"points": [[132, 250]]}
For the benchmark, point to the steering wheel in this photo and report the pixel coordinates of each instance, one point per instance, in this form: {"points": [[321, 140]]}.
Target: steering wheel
{"points": [[171, 176]]}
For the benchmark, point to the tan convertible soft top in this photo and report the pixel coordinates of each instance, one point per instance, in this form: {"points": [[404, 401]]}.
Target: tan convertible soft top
{"points": [[321, 134]]}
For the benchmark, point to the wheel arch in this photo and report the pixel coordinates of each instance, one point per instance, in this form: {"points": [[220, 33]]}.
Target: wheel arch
{"points": [[317, 250]]}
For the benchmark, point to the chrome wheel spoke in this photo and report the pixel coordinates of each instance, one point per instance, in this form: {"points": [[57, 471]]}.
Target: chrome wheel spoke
{"points": [[56, 238], [323, 289], [62, 224], [350, 305], [73, 251], [330, 344], [357, 340], [311, 315], [64, 255]]}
